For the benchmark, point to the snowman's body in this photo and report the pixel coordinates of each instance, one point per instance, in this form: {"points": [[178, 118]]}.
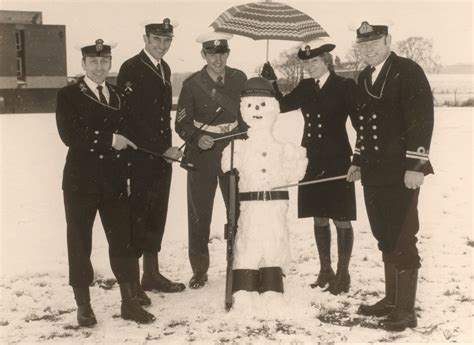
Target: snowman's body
{"points": [[262, 239]]}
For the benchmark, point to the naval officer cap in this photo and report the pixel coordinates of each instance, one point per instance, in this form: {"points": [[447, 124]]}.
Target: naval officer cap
{"points": [[314, 48], [161, 29], [367, 32], [214, 42], [98, 48]]}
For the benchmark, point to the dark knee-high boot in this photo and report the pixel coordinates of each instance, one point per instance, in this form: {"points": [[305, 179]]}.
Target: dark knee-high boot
{"points": [[131, 308], [345, 242], [143, 299], [403, 315], [85, 314], [386, 304], [323, 242], [152, 278]]}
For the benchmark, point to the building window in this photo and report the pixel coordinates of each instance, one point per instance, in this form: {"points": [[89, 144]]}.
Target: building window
{"points": [[20, 55]]}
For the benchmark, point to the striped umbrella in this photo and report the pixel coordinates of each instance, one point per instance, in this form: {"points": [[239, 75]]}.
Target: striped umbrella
{"points": [[269, 20]]}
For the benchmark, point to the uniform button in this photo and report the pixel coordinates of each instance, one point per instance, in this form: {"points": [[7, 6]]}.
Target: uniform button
{"points": [[264, 154], [161, 119], [105, 120], [361, 117], [101, 157], [374, 127], [161, 132], [319, 115], [129, 164], [361, 137], [307, 115], [376, 148], [308, 135], [91, 150], [362, 148], [95, 141], [309, 124], [96, 132], [374, 116], [320, 136], [264, 170], [361, 128], [375, 137], [320, 125], [163, 108], [116, 131], [118, 155]]}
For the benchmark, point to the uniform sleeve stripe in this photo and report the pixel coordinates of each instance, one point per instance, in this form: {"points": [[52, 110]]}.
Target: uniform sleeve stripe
{"points": [[416, 153], [417, 157]]}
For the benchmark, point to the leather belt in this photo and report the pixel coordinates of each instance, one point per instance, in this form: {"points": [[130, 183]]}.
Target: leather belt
{"points": [[264, 195], [218, 129]]}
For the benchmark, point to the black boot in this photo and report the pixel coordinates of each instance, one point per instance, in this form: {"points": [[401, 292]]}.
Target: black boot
{"points": [[152, 278], [403, 315], [386, 304], [200, 265], [85, 314], [323, 242], [131, 308], [143, 299], [342, 281]]}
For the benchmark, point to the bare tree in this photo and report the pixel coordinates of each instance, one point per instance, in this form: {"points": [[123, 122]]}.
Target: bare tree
{"points": [[291, 68], [420, 50], [354, 60]]}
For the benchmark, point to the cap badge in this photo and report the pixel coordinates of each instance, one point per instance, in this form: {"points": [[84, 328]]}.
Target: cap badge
{"points": [[365, 28], [307, 50], [217, 43], [166, 23], [99, 45]]}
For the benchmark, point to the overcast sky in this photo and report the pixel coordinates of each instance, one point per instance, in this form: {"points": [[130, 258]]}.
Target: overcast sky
{"points": [[447, 23]]}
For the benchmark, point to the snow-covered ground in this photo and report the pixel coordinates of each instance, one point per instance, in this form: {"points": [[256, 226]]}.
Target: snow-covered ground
{"points": [[37, 304]]}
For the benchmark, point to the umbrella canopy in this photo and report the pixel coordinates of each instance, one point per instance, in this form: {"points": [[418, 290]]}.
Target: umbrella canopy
{"points": [[269, 20]]}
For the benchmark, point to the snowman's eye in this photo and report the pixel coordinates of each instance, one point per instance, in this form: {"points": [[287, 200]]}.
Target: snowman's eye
{"points": [[249, 105], [262, 104]]}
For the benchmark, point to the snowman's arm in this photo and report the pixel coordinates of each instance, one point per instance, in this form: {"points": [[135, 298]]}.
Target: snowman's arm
{"points": [[226, 156], [295, 162]]}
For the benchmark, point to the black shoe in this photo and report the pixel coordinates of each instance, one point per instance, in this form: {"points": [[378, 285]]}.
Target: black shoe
{"points": [[143, 299], [399, 320], [379, 309], [159, 282], [341, 283], [131, 308], [325, 276], [198, 280], [86, 316]]}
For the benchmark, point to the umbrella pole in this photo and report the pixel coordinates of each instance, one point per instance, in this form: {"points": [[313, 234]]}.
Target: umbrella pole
{"points": [[268, 45]]}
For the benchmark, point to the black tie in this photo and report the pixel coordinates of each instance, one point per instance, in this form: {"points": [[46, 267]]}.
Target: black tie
{"points": [[220, 82], [371, 70], [101, 95], [162, 72], [316, 86]]}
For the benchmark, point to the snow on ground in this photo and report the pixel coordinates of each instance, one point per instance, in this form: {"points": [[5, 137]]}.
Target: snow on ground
{"points": [[37, 304]]}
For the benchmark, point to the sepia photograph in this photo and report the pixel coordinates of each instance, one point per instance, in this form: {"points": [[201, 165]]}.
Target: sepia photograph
{"points": [[236, 171]]}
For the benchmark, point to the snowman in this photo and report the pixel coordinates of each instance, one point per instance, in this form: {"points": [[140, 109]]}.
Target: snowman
{"points": [[261, 251]]}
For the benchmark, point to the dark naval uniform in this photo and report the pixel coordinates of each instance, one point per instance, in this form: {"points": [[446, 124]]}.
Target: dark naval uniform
{"points": [[94, 179], [148, 100], [198, 104], [325, 113], [395, 126]]}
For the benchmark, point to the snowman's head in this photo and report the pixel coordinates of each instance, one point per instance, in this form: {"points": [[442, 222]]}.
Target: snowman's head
{"points": [[258, 105]]}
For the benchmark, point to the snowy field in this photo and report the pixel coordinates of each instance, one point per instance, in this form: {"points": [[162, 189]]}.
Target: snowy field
{"points": [[37, 305]]}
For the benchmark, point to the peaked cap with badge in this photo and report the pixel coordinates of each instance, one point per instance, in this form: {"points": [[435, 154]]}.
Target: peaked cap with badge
{"points": [[367, 32], [161, 29], [99, 48], [314, 48], [214, 42]]}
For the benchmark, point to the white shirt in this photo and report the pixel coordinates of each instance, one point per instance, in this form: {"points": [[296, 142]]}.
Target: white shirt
{"points": [[93, 86], [155, 61], [322, 79], [105, 90], [377, 70]]}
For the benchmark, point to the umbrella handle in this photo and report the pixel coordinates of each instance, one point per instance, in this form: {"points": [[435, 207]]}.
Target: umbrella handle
{"points": [[268, 45]]}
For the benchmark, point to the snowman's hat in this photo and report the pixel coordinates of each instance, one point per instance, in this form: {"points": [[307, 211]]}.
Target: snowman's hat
{"points": [[258, 87]]}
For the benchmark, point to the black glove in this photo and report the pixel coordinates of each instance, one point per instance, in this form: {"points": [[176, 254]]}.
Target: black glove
{"points": [[268, 72]]}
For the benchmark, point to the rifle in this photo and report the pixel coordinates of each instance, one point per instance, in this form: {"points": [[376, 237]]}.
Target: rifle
{"points": [[230, 229]]}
